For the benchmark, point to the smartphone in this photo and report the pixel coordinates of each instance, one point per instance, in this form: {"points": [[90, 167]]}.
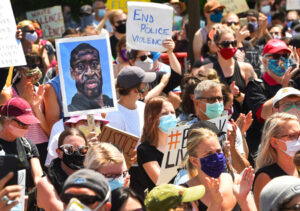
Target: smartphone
{"points": [[243, 22], [10, 163]]}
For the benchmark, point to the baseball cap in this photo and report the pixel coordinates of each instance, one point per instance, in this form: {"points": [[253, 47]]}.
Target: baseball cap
{"points": [[75, 119], [208, 125], [132, 75], [284, 92], [85, 10], [212, 5], [87, 178], [20, 109], [167, 196], [274, 46], [295, 41], [253, 13], [277, 191]]}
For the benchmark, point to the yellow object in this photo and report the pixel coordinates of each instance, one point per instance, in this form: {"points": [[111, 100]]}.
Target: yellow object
{"points": [[120, 4], [9, 77]]}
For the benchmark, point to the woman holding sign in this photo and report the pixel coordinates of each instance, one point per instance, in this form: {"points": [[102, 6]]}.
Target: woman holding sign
{"points": [[159, 117], [206, 166]]}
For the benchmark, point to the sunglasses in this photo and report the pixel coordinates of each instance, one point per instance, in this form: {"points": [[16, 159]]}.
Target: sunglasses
{"points": [[144, 57], [232, 22], [211, 99], [70, 149], [217, 11], [121, 21], [112, 177], [30, 31], [85, 199], [295, 207], [21, 124], [226, 44], [278, 56]]}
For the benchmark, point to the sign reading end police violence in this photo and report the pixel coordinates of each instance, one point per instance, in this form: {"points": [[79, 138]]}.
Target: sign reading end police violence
{"points": [[148, 25]]}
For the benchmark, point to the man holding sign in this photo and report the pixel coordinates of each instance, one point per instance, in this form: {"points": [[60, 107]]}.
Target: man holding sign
{"points": [[86, 71]]}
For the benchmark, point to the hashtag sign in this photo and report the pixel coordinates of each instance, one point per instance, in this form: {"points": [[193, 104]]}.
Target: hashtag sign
{"points": [[174, 136]]}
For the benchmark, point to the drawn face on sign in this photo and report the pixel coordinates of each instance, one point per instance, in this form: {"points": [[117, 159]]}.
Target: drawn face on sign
{"points": [[86, 70]]}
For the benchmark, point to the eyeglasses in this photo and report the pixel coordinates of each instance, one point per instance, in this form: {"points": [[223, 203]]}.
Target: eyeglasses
{"points": [[70, 149], [289, 104], [211, 99], [295, 207], [144, 57], [228, 23], [85, 199], [294, 136], [20, 124], [142, 91], [217, 11], [278, 56], [121, 21], [112, 177], [226, 44]]}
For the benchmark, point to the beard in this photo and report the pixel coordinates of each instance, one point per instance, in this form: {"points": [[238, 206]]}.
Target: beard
{"points": [[91, 87]]}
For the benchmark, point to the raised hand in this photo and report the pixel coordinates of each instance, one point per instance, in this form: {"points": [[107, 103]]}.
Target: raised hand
{"points": [[234, 89], [242, 185]]}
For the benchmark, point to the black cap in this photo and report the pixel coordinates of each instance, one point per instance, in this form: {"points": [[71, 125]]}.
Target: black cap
{"points": [[252, 12], [296, 25], [208, 125]]}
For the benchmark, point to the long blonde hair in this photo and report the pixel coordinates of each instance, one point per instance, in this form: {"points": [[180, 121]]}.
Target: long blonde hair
{"points": [[266, 154], [101, 154], [195, 137]]}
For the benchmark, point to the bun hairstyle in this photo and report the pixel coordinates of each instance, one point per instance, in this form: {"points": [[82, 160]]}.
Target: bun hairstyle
{"points": [[220, 31]]}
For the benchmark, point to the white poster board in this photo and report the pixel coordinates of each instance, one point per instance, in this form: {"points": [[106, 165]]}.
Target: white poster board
{"points": [[293, 5], [11, 51], [176, 151], [148, 25], [22, 183], [86, 75], [51, 20]]}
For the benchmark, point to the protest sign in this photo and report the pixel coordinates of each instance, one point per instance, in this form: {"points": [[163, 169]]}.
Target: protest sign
{"points": [[148, 25], [21, 182], [176, 149], [120, 4], [51, 20], [235, 6], [126, 141], [86, 75], [293, 5], [11, 51]]}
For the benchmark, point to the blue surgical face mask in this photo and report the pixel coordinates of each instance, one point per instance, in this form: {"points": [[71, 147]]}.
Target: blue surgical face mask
{"points": [[252, 26], [289, 24], [266, 9], [166, 122], [214, 110], [101, 13], [278, 68], [216, 18], [115, 183], [213, 165]]}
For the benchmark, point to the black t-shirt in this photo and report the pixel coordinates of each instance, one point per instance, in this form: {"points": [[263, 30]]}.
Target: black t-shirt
{"points": [[139, 180], [113, 42], [257, 93], [11, 148]]}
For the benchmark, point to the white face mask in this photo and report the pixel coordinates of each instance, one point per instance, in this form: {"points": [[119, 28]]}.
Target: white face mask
{"points": [[76, 205], [291, 147], [266, 9], [31, 37], [146, 65]]}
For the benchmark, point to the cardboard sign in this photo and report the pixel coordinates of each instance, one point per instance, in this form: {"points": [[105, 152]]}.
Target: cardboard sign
{"points": [[126, 141], [293, 5], [148, 25], [51, 20], [86, 75], [120, 4], [176, 149], [235, 6], [11, 51]]}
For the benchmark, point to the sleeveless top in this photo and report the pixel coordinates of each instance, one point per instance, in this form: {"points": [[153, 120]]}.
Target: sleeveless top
{"points": [[55, 82], [272, 171], [203, 207], [237, 76]]}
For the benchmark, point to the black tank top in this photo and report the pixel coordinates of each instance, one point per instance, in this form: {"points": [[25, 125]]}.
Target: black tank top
{"points": [[272, 171], [237, 76]]}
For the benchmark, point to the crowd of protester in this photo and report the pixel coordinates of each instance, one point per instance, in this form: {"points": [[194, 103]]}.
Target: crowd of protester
{"points": [[244, 66]]}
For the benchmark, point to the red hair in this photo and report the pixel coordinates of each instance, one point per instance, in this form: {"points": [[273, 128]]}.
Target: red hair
{"points": [[151, 120]]}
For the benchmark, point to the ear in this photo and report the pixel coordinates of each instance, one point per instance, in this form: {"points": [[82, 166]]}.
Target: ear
{"points": [[107, 206], [265, 61], [131, 62], [192, 97], [73, 73], [195, 162], [274, 143], [59, 153]]}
